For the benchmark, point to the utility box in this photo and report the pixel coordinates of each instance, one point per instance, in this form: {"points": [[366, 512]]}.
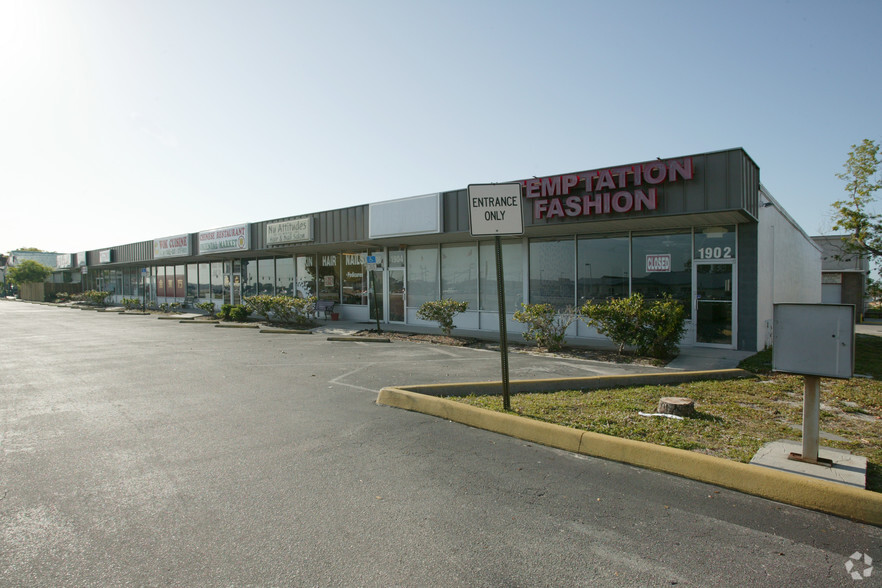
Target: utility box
{"points": [[814, 340]]}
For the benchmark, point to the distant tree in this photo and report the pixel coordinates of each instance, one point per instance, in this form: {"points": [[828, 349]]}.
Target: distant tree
{"points": [[855, 214], [28, 271], [874, 288], [30, 249]]}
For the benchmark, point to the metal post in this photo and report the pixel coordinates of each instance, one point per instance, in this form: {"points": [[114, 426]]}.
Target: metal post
{"points": [[811, 416], [503, 331], [376, 308]]}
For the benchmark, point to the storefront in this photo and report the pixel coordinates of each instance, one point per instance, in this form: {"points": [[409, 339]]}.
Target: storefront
{"points": [[699, 228]]}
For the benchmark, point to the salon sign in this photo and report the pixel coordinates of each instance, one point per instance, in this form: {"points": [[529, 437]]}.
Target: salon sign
{"points": [[290, 231]]}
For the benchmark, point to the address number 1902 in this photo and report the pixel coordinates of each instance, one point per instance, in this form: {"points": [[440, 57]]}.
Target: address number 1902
{"points": [[715, 253]]}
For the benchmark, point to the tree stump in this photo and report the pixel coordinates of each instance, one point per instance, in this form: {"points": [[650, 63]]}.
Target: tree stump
{"points": [[676, 405]]}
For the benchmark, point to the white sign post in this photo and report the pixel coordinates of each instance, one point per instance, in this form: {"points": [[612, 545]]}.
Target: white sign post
{"points": [[495, 209]]}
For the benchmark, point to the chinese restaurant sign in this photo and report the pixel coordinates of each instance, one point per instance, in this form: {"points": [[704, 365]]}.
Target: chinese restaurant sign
{"points": [[235, 238]]}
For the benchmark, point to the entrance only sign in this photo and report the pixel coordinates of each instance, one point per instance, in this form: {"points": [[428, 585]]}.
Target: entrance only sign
{"points": [[495, 209]]}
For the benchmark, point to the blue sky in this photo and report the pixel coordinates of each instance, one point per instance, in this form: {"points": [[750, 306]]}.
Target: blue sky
{"points": [[126, 121]]}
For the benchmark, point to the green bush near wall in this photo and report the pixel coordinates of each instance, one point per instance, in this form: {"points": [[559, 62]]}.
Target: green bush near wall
{"points": [[545, 326], [442, 312], [283, 308], [653, 328]]}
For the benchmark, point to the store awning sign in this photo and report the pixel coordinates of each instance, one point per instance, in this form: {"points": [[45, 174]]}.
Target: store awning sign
{"points": [[175, 246], [289, 231], [235, 238]]}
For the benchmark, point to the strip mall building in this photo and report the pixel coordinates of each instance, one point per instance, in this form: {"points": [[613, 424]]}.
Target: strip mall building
{"points": [[700, 228]]}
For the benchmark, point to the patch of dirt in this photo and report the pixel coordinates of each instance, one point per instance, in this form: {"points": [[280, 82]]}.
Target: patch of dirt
{"points": [[566, 353]]}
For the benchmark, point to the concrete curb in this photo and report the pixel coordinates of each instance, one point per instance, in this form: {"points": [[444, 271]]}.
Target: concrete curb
{"points": [[586, 383], [837, 499], [285, 332], [360, 339]]}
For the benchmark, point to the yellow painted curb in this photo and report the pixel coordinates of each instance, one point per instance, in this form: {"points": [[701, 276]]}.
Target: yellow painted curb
{"points": [[829, 497], [583, 383]]}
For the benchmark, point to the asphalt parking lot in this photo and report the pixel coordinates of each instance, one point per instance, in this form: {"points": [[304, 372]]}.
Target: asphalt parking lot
{"points": [[146, 452]]}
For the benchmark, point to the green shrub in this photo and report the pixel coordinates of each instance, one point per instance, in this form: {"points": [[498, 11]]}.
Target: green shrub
{"points": [[206, 306], [664, 322], [62, 296], [282, 308], [224, 313], [131, 303], [442, 311], [95, 297], [653, 328], [263, 304], [545, 325], [617, 318], [295, 310], [239, 313]]}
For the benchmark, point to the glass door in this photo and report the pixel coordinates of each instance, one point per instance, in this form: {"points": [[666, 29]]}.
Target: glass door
{"points": [[396, 295], [714, 304], [232, 282]]}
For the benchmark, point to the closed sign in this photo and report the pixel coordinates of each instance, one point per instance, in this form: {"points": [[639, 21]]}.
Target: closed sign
{"points": [[658, 263]]}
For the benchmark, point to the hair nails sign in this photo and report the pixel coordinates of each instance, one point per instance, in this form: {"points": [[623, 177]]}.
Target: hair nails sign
{"points": [[604, 191]]}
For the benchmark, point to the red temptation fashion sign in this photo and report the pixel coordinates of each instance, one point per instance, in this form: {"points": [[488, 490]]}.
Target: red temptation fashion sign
{"points": [[604, 191]]}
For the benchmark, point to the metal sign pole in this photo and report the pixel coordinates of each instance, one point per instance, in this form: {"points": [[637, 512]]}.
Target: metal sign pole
{"points": [[503, 331], [376, 308], [495, 209]]}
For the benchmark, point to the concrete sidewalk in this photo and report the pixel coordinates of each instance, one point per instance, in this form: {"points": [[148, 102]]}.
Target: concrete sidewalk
{"points": [[690, 359]]}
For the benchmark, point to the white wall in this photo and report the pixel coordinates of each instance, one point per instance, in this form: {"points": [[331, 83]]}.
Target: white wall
{"points": [[789, 265]]}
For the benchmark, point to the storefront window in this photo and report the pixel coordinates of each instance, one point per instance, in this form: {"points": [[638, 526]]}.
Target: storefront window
{"points": [[459, 273], [131, 281], [285, 276], [353, 278], [159, 274], [266, 276], [662, 264], [180, 282], [602, 268], [192, 280], [204, 281], [305, 276], [217, 280], [715, 243], [513, 275], [249, 272], [422, 275], [552, 272], [329, 277]]}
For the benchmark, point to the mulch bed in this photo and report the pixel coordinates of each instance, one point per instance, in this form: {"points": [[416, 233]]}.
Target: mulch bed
{"points": [[605, 355]]}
